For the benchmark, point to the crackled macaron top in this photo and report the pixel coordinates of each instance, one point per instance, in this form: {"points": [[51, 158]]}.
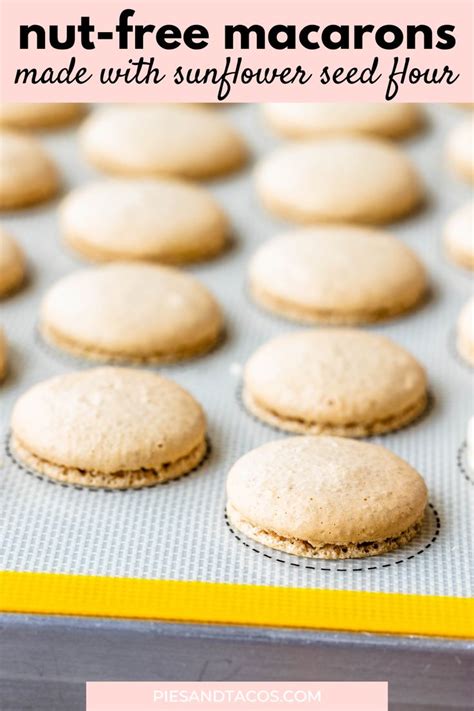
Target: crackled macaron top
{"points": [[336, 274], [460, 149], [162, 220], [459, 235], [342, 381], [387, 120], [326, 497], [27, 174], [12, 264], [465, 332], [131, 311], [108, 427], [33, 116], [339, 179], [161, 140]]}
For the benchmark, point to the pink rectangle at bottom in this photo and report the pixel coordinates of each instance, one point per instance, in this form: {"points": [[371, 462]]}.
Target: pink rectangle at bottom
{"points": [[237, 696]]}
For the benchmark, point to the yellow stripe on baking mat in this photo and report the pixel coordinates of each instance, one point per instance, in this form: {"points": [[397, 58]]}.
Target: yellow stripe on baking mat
{"points": [[47, 593]]}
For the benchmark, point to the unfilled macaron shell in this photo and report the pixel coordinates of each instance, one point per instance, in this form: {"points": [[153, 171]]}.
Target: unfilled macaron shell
{"points": [[27, 174], [37, 116], [12, 264], [459, 236], [465, 332], [131, 311], [111, 427], [387, 120], [162, 140], [344, 179], [336, 274], [344, 382], [326, 497], [165, 220], [460, 149]]}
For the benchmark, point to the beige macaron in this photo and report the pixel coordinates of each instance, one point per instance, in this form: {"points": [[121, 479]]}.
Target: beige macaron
{"points": [[27, 174], [387, 120], [12, 264], [345, 382], [336, 274], [326, 497], [38, 116], [3, 354], [465, 332], [345, 179], [162, 220], [116, 428], [162, 140], [135, 312], [460, 149], [459, 236]]}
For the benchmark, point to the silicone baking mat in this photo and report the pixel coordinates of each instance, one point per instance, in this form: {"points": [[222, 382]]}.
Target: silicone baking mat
{"points": [[168, 552]]}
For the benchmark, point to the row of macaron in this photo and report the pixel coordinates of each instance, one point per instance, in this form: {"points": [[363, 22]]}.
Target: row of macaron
{"points": [[325, 274], [143, 313], [341, 169], [326, 497]]}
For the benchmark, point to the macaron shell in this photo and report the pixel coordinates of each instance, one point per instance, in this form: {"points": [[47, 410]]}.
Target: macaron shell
{"points": [[327, 490], [161, 140], [336, 274], [27, 174], [108, 420], [465, 332], [314, 120], [334, 381], [460, 149], [459, 236], [162, 220], [344, 179], [131, 311], [38, 116]]}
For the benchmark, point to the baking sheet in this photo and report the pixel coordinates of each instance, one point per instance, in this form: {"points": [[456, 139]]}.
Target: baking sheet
{"points": [[178, 532]]}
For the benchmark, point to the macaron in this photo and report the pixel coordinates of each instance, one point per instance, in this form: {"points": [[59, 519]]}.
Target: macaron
{"points": [[459, 236], [3, 354], [339, 179], [27, 174], [161, 140], [387, 120], [12, 264], [326, 497], [465, 332], [460, 149], [336, 274], [161, 220], [134, 312], [113, 428], [344, 382], [38, 116]]}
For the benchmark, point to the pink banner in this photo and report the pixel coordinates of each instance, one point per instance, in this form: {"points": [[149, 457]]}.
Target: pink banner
{"points": [[236, 696], [338, 50]]}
